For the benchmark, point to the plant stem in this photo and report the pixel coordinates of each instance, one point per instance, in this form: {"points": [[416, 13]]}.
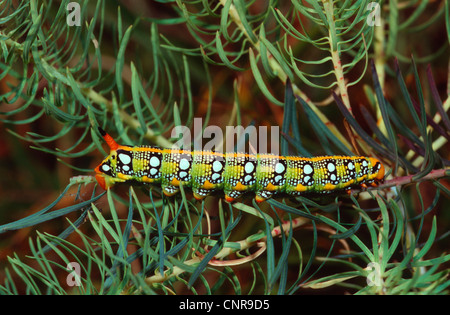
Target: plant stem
{"points": [[404, 180], [334, 49], [128, 119]]}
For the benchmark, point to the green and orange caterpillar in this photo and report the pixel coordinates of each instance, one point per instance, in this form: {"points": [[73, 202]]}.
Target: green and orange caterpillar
{"points": [[234, 173]]}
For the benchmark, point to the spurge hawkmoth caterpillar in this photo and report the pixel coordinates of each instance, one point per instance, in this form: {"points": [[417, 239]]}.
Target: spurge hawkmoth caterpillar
{"points": [[234, 173]]}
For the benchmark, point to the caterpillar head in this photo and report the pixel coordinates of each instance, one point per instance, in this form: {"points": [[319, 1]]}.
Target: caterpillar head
{"points": [[378, 169], [106, 171]]}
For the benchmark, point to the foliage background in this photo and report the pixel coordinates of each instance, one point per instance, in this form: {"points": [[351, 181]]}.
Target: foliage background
{"points": [[140, 68]]}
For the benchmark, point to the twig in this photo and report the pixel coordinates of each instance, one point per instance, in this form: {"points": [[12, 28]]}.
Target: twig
{"points": [[404, 180], [128, 119]]}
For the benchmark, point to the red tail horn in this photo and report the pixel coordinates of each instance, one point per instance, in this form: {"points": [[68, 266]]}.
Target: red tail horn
{"points": [[109, 140]]}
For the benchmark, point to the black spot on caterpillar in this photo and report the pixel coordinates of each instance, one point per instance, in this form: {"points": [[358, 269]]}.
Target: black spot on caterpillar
{"points": [[234, 173]]}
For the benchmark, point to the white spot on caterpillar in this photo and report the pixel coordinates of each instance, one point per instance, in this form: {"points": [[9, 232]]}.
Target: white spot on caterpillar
{"points": [[184, 164], [153, 171], [331, 167], [105, 168], [307, 169], [217, 166], [154, 161], [124, 158], [248, 178], [249, 167], [279, 168]]}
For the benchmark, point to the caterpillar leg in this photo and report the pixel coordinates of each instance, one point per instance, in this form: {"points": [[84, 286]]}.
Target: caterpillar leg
{"points": [[170, 190], [366, 185], [232, 195], [263, 195], [200, 194]]}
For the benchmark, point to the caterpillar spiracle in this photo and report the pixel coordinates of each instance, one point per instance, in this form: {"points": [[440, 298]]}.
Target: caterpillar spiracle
{"points": [[234, 173]]}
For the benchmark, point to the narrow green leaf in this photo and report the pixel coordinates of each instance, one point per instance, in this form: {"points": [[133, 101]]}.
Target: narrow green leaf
{"points": [[426, 247], [240, 8], [353, 237], [250, 210], [277, 55], [31, 36], [259, 80], [135, 85], [223, 54], [120, 59], [322, 131], [349, 232]]}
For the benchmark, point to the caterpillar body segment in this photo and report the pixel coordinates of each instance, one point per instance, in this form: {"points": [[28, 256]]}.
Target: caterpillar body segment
{"points": [[234, 173]]}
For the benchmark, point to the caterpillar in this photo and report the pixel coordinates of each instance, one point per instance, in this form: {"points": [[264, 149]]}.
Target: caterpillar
{"points": [[235, 173]]}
